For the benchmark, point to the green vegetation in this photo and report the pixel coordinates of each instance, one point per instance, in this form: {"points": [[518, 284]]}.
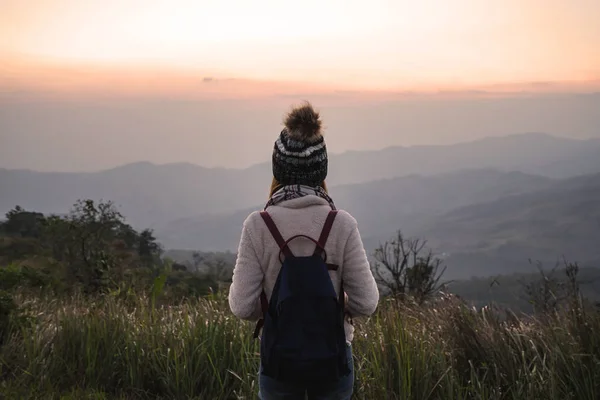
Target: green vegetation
{"points": [[104, 346], [90, 310], [93, 250]]}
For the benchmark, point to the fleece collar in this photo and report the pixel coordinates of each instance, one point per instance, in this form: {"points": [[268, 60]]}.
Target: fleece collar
{"points": [[303, 202]]}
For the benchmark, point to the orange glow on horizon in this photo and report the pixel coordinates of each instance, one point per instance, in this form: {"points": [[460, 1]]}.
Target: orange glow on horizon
{"points": [[264, 47]]}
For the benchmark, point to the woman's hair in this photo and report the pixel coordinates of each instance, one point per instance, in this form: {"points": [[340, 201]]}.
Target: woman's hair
{"points": [[275, 186]]}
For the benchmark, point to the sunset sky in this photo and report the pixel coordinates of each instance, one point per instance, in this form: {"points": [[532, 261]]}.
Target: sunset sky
{"points": [[91, 84], [374, 44]]}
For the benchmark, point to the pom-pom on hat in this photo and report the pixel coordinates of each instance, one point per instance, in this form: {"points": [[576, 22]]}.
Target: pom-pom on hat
{"points": [[299, 153]]}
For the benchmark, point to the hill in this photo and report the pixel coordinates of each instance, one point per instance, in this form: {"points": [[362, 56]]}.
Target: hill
{"points": [[483, 222], [534, 153], [148, 194], [152, 195], [379, 207], [501, 235]]}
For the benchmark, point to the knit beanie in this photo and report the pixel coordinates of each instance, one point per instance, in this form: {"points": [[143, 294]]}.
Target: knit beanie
{"points": [[299, 153]]}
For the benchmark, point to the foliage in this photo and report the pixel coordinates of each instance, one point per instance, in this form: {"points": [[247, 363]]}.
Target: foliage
{"points": [[92, 248], [135, 325], [546, 293], [7, 309], [403, 268], [22, 223], [12, 316], [15, 276], [197, 349]]}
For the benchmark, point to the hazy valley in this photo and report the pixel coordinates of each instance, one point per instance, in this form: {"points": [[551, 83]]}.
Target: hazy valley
{"points": [[485, 206]]}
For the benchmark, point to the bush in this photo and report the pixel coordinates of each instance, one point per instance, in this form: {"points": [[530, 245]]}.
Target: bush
{"points": [[12, 317], [15, 276]]}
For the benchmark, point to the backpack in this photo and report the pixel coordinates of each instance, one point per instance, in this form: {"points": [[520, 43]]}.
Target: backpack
{"points": [[303, 339]]}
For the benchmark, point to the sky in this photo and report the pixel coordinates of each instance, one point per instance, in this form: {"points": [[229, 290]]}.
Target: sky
{"points": [[88, 85], [377, 44]]}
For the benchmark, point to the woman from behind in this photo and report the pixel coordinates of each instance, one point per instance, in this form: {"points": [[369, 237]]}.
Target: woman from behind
{"points": [[303, 272]]}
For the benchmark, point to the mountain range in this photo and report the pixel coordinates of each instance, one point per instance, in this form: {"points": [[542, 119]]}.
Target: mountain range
{"points": [[485, 204], [478, 221], [379, 206], [555, 220]]}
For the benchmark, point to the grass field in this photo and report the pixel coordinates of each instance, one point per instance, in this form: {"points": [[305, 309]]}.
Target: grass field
{"points": [[124, 348]]}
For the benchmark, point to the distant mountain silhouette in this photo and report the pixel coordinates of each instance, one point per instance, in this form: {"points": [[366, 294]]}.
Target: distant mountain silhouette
{"points": [[147, 194], [379, 207], [534, 153], [500, 236], [152, 195], [482, 222], [487, 205]]}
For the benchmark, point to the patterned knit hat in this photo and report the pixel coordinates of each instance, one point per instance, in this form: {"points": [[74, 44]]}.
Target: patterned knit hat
{"points": [[299, 153]]}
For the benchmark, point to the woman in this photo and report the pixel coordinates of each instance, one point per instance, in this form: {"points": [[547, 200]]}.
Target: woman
{"points": [[299, 204]]}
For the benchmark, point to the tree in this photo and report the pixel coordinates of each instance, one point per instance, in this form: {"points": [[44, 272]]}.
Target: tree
{"points": [[197, 260], [404, 268], [214, 270], [96, 244], [92, 246], [178, 267], [148, 249], [219, 271], [549, 293], [546, 293], [23, 223]]}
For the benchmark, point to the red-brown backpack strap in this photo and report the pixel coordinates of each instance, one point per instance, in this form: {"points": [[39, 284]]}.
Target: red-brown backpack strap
{"points": [[325, 233], [283, 247], [276, 234], [264, 305]]}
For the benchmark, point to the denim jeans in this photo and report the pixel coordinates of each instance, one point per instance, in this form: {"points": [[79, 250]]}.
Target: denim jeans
{"points": [[271, 389]]}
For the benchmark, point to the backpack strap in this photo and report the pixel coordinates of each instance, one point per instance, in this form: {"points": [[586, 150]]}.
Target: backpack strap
{"points": [[320, 249], [284, 244], [276, 234], [264, 304]]}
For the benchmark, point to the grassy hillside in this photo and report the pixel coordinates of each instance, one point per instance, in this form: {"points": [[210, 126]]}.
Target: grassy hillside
{"points": [[90, 309], [110, 348]]}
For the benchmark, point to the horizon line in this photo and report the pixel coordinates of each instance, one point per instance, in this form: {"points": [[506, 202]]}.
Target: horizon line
{"points": [[254, 165], [22, 74]]}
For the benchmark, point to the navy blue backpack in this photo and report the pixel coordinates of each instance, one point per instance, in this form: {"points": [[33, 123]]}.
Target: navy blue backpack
{"points": [[303, 340]]}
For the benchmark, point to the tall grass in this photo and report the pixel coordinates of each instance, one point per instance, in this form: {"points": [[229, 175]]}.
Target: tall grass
{"points": [[125, 349]]}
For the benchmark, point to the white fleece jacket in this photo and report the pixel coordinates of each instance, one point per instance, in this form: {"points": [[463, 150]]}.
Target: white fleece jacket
{"points": [[258, 264]]}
